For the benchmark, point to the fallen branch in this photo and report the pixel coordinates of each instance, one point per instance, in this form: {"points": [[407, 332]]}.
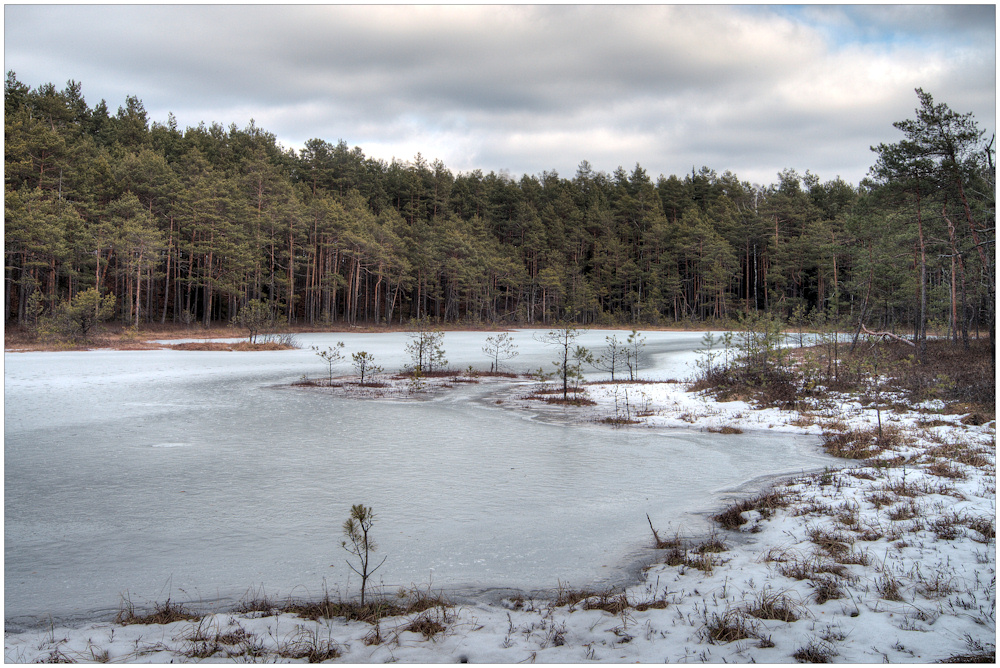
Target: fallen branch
{"points": [[656, 536], [888, 335]]}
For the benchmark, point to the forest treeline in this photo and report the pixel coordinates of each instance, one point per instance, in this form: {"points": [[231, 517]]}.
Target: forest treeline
{"points": [[191, 226]]}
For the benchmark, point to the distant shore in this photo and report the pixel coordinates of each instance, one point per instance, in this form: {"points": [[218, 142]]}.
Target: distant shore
{"points": [[150, 337]]}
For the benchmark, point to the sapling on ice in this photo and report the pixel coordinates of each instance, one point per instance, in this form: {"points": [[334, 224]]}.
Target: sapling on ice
{"points": [[331, 356], [634, 345], [364, 363], [360, 544], [571, 359], [612, 358], [500, 347], [426, 349]]}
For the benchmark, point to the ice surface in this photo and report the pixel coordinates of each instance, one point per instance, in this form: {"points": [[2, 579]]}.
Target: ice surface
{"points": [[198, 475]]}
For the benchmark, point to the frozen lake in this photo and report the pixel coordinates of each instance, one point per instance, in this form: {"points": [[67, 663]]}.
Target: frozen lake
{"points": [[200, 475]]}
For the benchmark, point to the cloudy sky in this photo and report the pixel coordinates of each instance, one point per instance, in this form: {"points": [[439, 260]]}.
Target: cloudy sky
{"points": [[522, 88]]}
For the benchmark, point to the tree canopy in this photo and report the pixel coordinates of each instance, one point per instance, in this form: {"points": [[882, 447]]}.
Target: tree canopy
{"points": [[197, 225]]}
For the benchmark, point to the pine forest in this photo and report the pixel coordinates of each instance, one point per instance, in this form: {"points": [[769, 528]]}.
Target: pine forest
{"points": [[144, 223]]}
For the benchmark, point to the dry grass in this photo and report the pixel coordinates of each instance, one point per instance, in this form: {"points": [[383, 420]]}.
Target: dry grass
{"points": [[765, 503], [207, 642], [961, 454], [827, 589], [371, 612], [938, 586], [725, 429], [309, 645], [880, 499], [776, 606], [618, 421], [905, 511], [256, 601], [949, 372], [928, 424], [704, 562], [712, 544], [889, 587], [944, 469], [977, 419], [163, 613], [978, 652], [808, 569], [654, 604], [242, 346], [861, 443], [405, 602], [607, 600], [571, 401], [730, 626], [817, 651], [833, 543], [374, 637], [426, 625], [983, 526], [804, 419]]}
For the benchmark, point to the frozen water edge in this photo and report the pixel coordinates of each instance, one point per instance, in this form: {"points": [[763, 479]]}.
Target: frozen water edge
{"points": [[482, 632], [865, 627], [455, 480]]}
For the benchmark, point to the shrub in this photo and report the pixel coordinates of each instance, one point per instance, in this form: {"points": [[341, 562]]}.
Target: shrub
{"points": [[253, 317], [86, 309]]}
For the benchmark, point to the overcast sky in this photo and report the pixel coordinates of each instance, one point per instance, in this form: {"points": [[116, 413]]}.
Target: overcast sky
{"points": [[750, 89]]}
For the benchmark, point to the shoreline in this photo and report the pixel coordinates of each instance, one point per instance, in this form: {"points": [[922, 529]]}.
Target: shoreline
{"points": [[901, 554], [123, 338], [395, 386]]}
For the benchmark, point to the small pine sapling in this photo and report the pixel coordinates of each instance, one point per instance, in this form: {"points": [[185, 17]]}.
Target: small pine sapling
{"points": [[612, 358], [331, 356], [360, 544], [426, 349], [634, 345], [364, 364], [499, 347], [571, 357]]}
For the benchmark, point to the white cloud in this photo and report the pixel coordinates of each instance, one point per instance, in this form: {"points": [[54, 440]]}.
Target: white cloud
{"points": [[531, 88]]}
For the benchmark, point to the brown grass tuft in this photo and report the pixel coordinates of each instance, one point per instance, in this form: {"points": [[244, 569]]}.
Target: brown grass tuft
{"points": [[827, 589], [816, 651], [426, 626], [732, 625], [861, 443], [725, 429], [307, 644], [833, 543], [775, 606], [163, 613], [944, 469], [765, 503]]}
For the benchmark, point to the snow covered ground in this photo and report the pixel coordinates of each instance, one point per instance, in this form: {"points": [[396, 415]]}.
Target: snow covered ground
{"points": [[890, 562]]}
